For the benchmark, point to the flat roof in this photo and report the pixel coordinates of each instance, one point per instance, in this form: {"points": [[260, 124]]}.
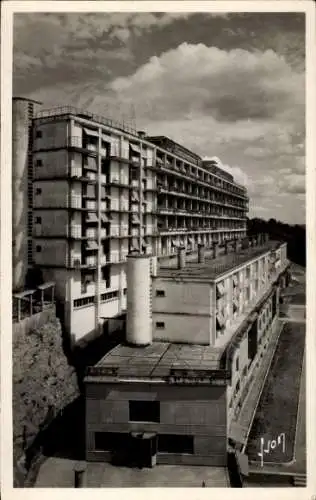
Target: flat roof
{"points": [[212, 269], [157, 360]]}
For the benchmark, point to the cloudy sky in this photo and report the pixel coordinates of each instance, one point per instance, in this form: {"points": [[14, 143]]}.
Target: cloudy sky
{"points": [[224, 85]]}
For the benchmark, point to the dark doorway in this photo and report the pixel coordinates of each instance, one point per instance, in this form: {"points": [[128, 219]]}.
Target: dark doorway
{"points": [[253, 340], [274, 305]]}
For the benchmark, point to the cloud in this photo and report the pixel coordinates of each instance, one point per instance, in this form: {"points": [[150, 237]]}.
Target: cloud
{"points": [[245, 106], [293, 183], [238, 174], [229, 86]]}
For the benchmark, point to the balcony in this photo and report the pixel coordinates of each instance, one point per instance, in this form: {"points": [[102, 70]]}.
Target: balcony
{"points": [[115, 231], [91, 261], [76, 172], [91, 205], [76, 231], [75, 201], [123, 231], [103, 260]]}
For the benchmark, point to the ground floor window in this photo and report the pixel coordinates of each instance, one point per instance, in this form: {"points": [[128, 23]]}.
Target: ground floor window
{"points": [[172, 443]]}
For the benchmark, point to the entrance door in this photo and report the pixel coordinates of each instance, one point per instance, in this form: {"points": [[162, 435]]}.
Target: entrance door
{"points": [[144, 449]]}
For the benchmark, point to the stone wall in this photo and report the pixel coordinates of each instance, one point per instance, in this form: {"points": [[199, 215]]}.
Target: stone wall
{"points": [[43, 383]]}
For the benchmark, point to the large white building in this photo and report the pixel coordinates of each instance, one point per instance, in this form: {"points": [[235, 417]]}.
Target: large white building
{"points": [[100, 191]]}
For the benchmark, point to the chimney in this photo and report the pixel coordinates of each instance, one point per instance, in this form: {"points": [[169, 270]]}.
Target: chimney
{"points": [[181, 257], [201, 254]]}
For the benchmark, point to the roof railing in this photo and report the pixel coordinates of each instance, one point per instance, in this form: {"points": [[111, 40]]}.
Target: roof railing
{"points": [[71, 110]]}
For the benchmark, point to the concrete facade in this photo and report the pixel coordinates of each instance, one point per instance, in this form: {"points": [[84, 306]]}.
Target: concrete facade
{"points": [[198, 413], [210, 311], [23, 111]]}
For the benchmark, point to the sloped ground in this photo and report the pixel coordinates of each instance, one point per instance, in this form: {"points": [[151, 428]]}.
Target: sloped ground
{"points": [[277, 409], [43, 383]]}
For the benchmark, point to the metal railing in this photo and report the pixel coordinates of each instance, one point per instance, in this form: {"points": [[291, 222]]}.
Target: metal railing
{"points": [[71, 110]]}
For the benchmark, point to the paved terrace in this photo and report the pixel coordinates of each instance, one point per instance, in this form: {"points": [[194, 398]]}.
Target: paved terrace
{"points": [[212, 269], [58, 472]]}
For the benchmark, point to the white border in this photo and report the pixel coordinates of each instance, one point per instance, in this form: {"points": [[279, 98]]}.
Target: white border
{"points": [[8, 8]]}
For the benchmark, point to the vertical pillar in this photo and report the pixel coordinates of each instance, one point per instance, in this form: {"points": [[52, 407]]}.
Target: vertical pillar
{"points": [[42, 299], [31, 304], [181, 257], [19, 310], [201, 254], [79, 471]]}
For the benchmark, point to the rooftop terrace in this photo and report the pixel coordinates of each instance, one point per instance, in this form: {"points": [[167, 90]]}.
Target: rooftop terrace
{"points": [[212, 269], [159, 360]]}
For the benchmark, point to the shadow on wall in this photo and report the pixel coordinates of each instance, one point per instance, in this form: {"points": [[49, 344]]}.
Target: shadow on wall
{"points": [[64, 437]]}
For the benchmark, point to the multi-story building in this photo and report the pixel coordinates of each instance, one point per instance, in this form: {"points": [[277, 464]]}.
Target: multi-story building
{"points": [[197, 336], [101, 191]]}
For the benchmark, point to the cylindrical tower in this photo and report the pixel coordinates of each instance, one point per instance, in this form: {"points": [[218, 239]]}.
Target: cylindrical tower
{"points": [[23, 111], [139, 307]]}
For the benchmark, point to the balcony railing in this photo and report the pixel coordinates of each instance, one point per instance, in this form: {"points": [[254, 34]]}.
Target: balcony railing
{"points": [[75, 201], [76, 231]]}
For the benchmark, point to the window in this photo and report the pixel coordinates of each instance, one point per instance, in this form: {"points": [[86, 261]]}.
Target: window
{"points": [[39, 163], [83, 302], [38, 191], [38, 248], [38, 220], [134, 174], [106, 275], [237, 364], [86, 278], [109, 296], [125, 291], [237, 387], [109, 441], [39, 134], [160, 293], [160, 325], [172, 443], [144, 411]]}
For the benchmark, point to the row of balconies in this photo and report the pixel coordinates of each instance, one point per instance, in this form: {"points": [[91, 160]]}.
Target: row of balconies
{"points": [[197, 173], [196, 193], [76, 202], [197, 213], [197, 206], [205, 178], [92, 260], [76, 231]]}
